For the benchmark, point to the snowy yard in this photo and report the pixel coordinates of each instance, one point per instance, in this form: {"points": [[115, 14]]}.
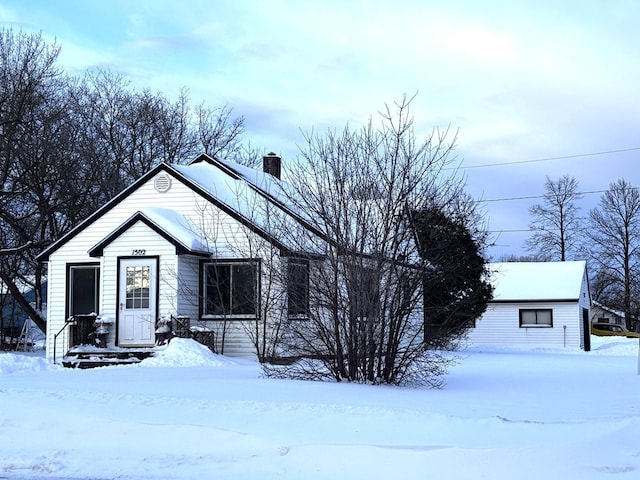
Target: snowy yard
{"points": [[189, 414]]}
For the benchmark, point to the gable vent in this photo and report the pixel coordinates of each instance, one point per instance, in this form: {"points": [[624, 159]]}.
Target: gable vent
{"points": [[162, 183]]}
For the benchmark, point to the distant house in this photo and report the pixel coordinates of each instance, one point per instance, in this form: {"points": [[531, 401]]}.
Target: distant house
{"points": [[541, 304], [12, 316], [603, 314]]}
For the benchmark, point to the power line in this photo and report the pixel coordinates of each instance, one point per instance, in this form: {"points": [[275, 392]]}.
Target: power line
{"points": [[533, 197], [548, 159]]}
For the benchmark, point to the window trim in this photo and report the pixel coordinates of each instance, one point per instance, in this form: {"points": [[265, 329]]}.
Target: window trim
{"points": [[536, 325], [68, 287], [254, 262], [363, 290], [303, 314]]}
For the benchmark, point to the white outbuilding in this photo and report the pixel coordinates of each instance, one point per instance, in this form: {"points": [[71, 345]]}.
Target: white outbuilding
{"points": [[539, 304]]}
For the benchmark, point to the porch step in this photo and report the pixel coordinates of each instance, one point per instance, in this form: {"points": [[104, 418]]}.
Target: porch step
{"points": [[103, 358]]}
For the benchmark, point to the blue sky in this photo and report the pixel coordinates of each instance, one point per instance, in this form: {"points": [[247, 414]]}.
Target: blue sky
{"points": [[551, 81]]}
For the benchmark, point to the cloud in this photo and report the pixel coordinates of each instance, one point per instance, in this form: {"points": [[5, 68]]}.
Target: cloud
{"points": [[520, 81]]}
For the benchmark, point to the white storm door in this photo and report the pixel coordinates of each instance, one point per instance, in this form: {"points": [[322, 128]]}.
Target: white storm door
{"points": [[137, 302]]}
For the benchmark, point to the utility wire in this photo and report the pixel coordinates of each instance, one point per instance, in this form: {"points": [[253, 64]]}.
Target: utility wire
{"points": [[532, 197], [548, 159]]}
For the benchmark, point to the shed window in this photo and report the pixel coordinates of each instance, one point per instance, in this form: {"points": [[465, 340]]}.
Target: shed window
{"points": [[231, 289], [542, 317]]}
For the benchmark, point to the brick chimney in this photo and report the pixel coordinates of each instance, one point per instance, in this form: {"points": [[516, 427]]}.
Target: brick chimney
{"points": [[272, 164]]}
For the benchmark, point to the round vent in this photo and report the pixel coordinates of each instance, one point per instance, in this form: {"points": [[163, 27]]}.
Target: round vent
{"points": [[162, 183]]}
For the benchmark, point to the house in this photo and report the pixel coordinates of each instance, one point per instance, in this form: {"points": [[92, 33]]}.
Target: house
{"points": [[192, 243], [603, 314], [12, 315], [541, 304]]}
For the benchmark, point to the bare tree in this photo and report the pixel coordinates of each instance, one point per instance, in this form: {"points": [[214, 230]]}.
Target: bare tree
{"points": [[67, 146], [615, 244], [556, 222], [218, 132], [31, 116], [126, 133], [357, 188]]}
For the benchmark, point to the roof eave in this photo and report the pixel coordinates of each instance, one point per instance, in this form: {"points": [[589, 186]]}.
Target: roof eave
{"points": [[181, 249]]}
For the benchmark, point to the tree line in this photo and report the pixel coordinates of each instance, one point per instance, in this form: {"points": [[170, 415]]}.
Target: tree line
{"points": [[608, 237]]}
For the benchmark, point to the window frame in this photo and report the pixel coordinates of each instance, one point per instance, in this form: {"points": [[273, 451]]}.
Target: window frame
{"points": [[71, 269], [536, 310], [363, 290], [301, 312], [205, 313]]}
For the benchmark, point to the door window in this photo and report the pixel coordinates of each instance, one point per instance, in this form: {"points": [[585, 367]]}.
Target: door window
{"points": [[137, 286]]}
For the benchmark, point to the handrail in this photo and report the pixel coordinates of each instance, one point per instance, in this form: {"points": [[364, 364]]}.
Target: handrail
{"points": [[67, 323]]}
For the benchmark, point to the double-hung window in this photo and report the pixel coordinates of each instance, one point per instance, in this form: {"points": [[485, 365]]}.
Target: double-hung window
{"points": [[363, 291], [230, 289], [536, 317], [297, 288]]}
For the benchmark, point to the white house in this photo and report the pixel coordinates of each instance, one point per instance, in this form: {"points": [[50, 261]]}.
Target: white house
{"points": [[603, 314], [184, 241], [541, 304]]}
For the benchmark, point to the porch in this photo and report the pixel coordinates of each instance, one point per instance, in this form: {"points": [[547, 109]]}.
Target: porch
{"points": [[89, 356], [89, 348]]}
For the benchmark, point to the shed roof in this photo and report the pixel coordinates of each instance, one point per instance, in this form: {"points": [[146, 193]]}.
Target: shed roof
{"points": [[530, 281]]}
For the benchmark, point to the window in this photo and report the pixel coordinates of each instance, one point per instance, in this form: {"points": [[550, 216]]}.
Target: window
{"points": [[363, 292], [536, 318], [138, 279], [83, 289], [230, 289], [297, 288]]}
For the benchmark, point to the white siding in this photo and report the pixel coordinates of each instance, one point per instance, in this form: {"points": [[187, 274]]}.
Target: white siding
{"points": [[56, 300], [236, 336], [188, 286], [500, 326]]}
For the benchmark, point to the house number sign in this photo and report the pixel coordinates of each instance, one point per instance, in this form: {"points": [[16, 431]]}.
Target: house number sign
{"points": [[138, 252]]}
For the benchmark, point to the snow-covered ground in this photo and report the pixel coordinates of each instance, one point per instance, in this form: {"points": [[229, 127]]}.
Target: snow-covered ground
{"points": [[189, 414]]}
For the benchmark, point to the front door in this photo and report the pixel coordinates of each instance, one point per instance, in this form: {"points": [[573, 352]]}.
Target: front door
{"points": [[137, 297]]}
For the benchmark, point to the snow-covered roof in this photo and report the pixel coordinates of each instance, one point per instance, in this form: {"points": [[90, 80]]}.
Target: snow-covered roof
{"points": [[255, 196], [179, 227], [528, 281], [169, 223], [607, 309]]}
